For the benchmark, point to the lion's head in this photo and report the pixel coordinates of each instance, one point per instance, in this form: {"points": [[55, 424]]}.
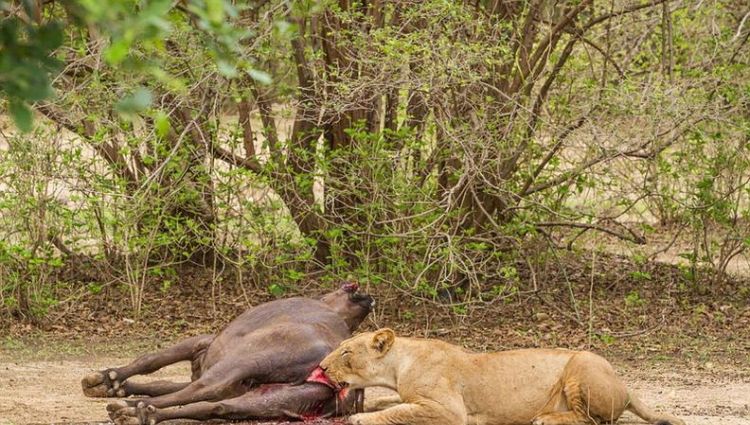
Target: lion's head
{"points": [[360, 361]]}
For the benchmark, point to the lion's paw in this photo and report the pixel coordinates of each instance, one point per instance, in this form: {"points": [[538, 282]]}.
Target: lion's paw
{"points": [[538, 421], [358, 419]]}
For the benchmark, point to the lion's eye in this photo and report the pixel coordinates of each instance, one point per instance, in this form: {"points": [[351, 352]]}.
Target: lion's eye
{"points": [[345, 353]]}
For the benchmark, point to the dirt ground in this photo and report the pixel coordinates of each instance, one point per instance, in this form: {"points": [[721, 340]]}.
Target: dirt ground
{"points": [[44, 387]]}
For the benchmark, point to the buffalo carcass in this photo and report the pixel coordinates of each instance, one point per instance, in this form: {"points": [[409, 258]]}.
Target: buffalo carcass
{"points": [[258, 367]]}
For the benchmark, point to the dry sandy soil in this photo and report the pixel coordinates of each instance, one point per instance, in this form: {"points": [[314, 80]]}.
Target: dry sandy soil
{"points": [[44, 388]]}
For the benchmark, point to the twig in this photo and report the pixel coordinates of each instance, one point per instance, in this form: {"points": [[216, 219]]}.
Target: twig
{"points": [[229, 157], [640, 331], [591, 296], [633, 237], [558, 309]]}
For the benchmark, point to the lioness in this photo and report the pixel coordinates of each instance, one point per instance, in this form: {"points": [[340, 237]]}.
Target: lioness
{"points": [[439, 383]]}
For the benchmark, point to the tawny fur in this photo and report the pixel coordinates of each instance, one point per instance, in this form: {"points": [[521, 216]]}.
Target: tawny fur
{"points": [[442, 384]]}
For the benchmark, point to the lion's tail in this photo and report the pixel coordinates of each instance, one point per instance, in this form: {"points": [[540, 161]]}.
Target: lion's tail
{"points": [[636, 406]]}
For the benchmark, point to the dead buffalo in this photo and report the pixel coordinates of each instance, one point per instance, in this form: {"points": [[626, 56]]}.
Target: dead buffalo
{"points": [[259, 366]]}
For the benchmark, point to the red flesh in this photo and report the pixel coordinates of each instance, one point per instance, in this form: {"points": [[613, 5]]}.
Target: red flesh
{"points": [[350, 287], [319, 376]]}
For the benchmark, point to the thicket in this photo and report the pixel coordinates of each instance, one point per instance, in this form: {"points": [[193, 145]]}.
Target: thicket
{"points": [[429, 145]]}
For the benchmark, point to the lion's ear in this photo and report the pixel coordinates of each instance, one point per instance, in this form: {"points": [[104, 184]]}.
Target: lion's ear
{"points": [[383, 340]]}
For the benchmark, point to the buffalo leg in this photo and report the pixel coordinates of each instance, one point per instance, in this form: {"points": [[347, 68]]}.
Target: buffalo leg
{"points": [[108, 382], [304, 401], [242, 368], [151, 389], [220, 381]]}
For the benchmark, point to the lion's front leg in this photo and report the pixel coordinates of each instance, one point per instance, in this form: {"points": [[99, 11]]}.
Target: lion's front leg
{"points": [[381, 403], [411, 414]]}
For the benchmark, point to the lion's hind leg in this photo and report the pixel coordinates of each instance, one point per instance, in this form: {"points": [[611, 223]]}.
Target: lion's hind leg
{"points": [[561, 418], [589, 392], [566, 407]]}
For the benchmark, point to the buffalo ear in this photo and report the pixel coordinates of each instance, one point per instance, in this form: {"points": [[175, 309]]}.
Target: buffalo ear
{"points": [[383, 340]]}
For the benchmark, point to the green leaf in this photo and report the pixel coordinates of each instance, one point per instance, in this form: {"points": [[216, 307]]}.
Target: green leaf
{"points": [[215, 11], [136, 102], [50, 36], [226, 69], [276, 290], [117, 51], [260, 76], [284, 28], [158, 7], [161, 124], [21, 115]]}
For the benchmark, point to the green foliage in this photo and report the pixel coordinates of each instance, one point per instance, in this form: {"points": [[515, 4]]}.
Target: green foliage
{"points": [[605, 338], [633, 299], [137, 35], [639, 275], [276, 290], [26, 61], [138, 101], [409, 147]]}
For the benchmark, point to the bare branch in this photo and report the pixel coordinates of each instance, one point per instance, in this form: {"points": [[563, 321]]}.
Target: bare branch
{"points": [[248, 141], [631, 236], [269, 124], [631, 9], [607, 56], [86, 130], [551, 154], [229, 157]]}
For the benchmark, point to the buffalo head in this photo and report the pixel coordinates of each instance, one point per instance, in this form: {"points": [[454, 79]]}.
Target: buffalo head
{"points": [[353, 306]]}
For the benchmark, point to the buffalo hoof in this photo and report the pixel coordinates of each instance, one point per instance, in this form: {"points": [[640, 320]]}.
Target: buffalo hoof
{"points": [[126, 420], [102, 384], [126, 413], [115, 408], [146, 414]]}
